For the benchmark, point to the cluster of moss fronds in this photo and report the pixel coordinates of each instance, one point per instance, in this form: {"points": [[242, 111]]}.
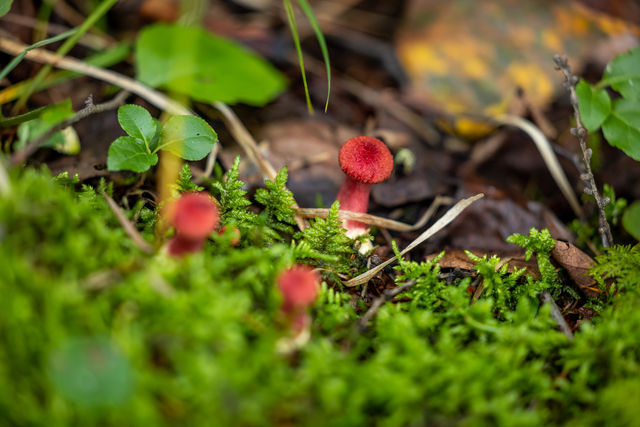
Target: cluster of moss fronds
{"points": [[93, 331]]}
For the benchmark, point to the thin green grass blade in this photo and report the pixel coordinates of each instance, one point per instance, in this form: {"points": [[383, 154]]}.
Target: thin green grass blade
{"points": [[16, 120], [15, 61], [296, 39], [306, 8]]}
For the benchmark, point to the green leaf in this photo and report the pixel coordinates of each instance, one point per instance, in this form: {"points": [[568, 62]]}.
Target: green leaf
{"points": [[138, 123], [623, 74], [306, 8], [631, 220], [206, 67], [296, 41], [128, 153], [594, 105], [188, 137], [5, 6], [97, 358], [49, 117], [622, 127]]}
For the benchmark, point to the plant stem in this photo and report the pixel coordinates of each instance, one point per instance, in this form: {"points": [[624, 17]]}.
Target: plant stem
{"points": [[387, 295], [63, 50], [580, 132], [90, 108]]}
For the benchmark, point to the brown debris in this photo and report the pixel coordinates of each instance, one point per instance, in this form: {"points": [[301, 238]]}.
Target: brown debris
{"points": [[577, 264]]}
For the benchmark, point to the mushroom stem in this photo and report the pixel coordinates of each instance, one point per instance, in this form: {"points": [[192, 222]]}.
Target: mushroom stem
{"points": [[354, 196]]}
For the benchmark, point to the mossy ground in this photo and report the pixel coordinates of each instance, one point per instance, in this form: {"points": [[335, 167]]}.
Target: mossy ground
{"points": [[95, 332]]}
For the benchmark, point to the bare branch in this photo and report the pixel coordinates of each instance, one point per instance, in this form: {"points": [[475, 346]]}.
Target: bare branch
{"points": [[90, 108], [387, 295], [556, 314], [570, 81]]}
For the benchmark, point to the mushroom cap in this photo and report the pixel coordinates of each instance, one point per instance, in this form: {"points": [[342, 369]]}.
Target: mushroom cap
{"points": [[365, 159], [299, 286], [194, 215]]}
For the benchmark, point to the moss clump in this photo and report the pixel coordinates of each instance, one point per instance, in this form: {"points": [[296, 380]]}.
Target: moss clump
{"points": [[92, 331]]}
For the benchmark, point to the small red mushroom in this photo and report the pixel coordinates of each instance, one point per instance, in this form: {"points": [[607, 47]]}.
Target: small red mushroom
{"points": [[299, 286], [194, 216], [365, 161], [179, 246]]}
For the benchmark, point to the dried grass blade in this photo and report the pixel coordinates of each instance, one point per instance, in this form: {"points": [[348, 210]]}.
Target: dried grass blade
{"points": [[379, 221], [439, 225]]}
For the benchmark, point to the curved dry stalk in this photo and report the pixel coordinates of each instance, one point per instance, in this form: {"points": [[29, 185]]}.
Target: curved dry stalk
{"points": [[546, 151], [129, 228], [449, 216], [379, 221], [42, 56]]}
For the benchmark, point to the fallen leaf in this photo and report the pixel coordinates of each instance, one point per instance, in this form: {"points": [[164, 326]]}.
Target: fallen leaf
{"points": [[577, 264], [473, 56]]}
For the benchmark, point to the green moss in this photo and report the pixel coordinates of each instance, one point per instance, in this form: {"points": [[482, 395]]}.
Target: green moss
{"points": [[92, 331]]}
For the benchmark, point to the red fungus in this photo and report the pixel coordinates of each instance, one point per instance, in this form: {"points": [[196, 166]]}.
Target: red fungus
{"points": [[179, 246], [194, 216], [365, 161], [299, 287]]}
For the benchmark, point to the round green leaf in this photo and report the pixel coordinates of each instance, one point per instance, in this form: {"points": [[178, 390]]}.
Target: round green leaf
{"points": [[623, 74], [594, 105], [208, 68], [128, 153], [138, 123], [631, 220], [91, 371], [622, 127], [188, 137], [5, 6]]}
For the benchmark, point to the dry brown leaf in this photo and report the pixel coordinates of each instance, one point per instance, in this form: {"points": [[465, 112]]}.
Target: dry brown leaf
{"points": [[472, 56], [577, 264]]}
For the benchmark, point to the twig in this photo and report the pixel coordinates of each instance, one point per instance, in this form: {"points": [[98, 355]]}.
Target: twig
{"points": [[580, 132], [387, 295], [211, 161], [90, 108], [546, 151], [449, 216], [556, 314], [379, 221], [131, 231]]}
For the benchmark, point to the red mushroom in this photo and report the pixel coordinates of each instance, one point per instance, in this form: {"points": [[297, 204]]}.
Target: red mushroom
{"points": [[194, 216], [179, 246], [365, 161], [299, 286]]}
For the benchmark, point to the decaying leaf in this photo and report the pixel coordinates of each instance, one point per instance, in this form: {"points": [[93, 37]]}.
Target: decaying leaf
{"points": [[472, 55], [577, 264]]}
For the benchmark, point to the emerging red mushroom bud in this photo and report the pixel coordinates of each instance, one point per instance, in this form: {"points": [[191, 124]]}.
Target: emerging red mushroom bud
{"points": [[194, 216], [179, 246], [365, 161], [299, 286]]}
